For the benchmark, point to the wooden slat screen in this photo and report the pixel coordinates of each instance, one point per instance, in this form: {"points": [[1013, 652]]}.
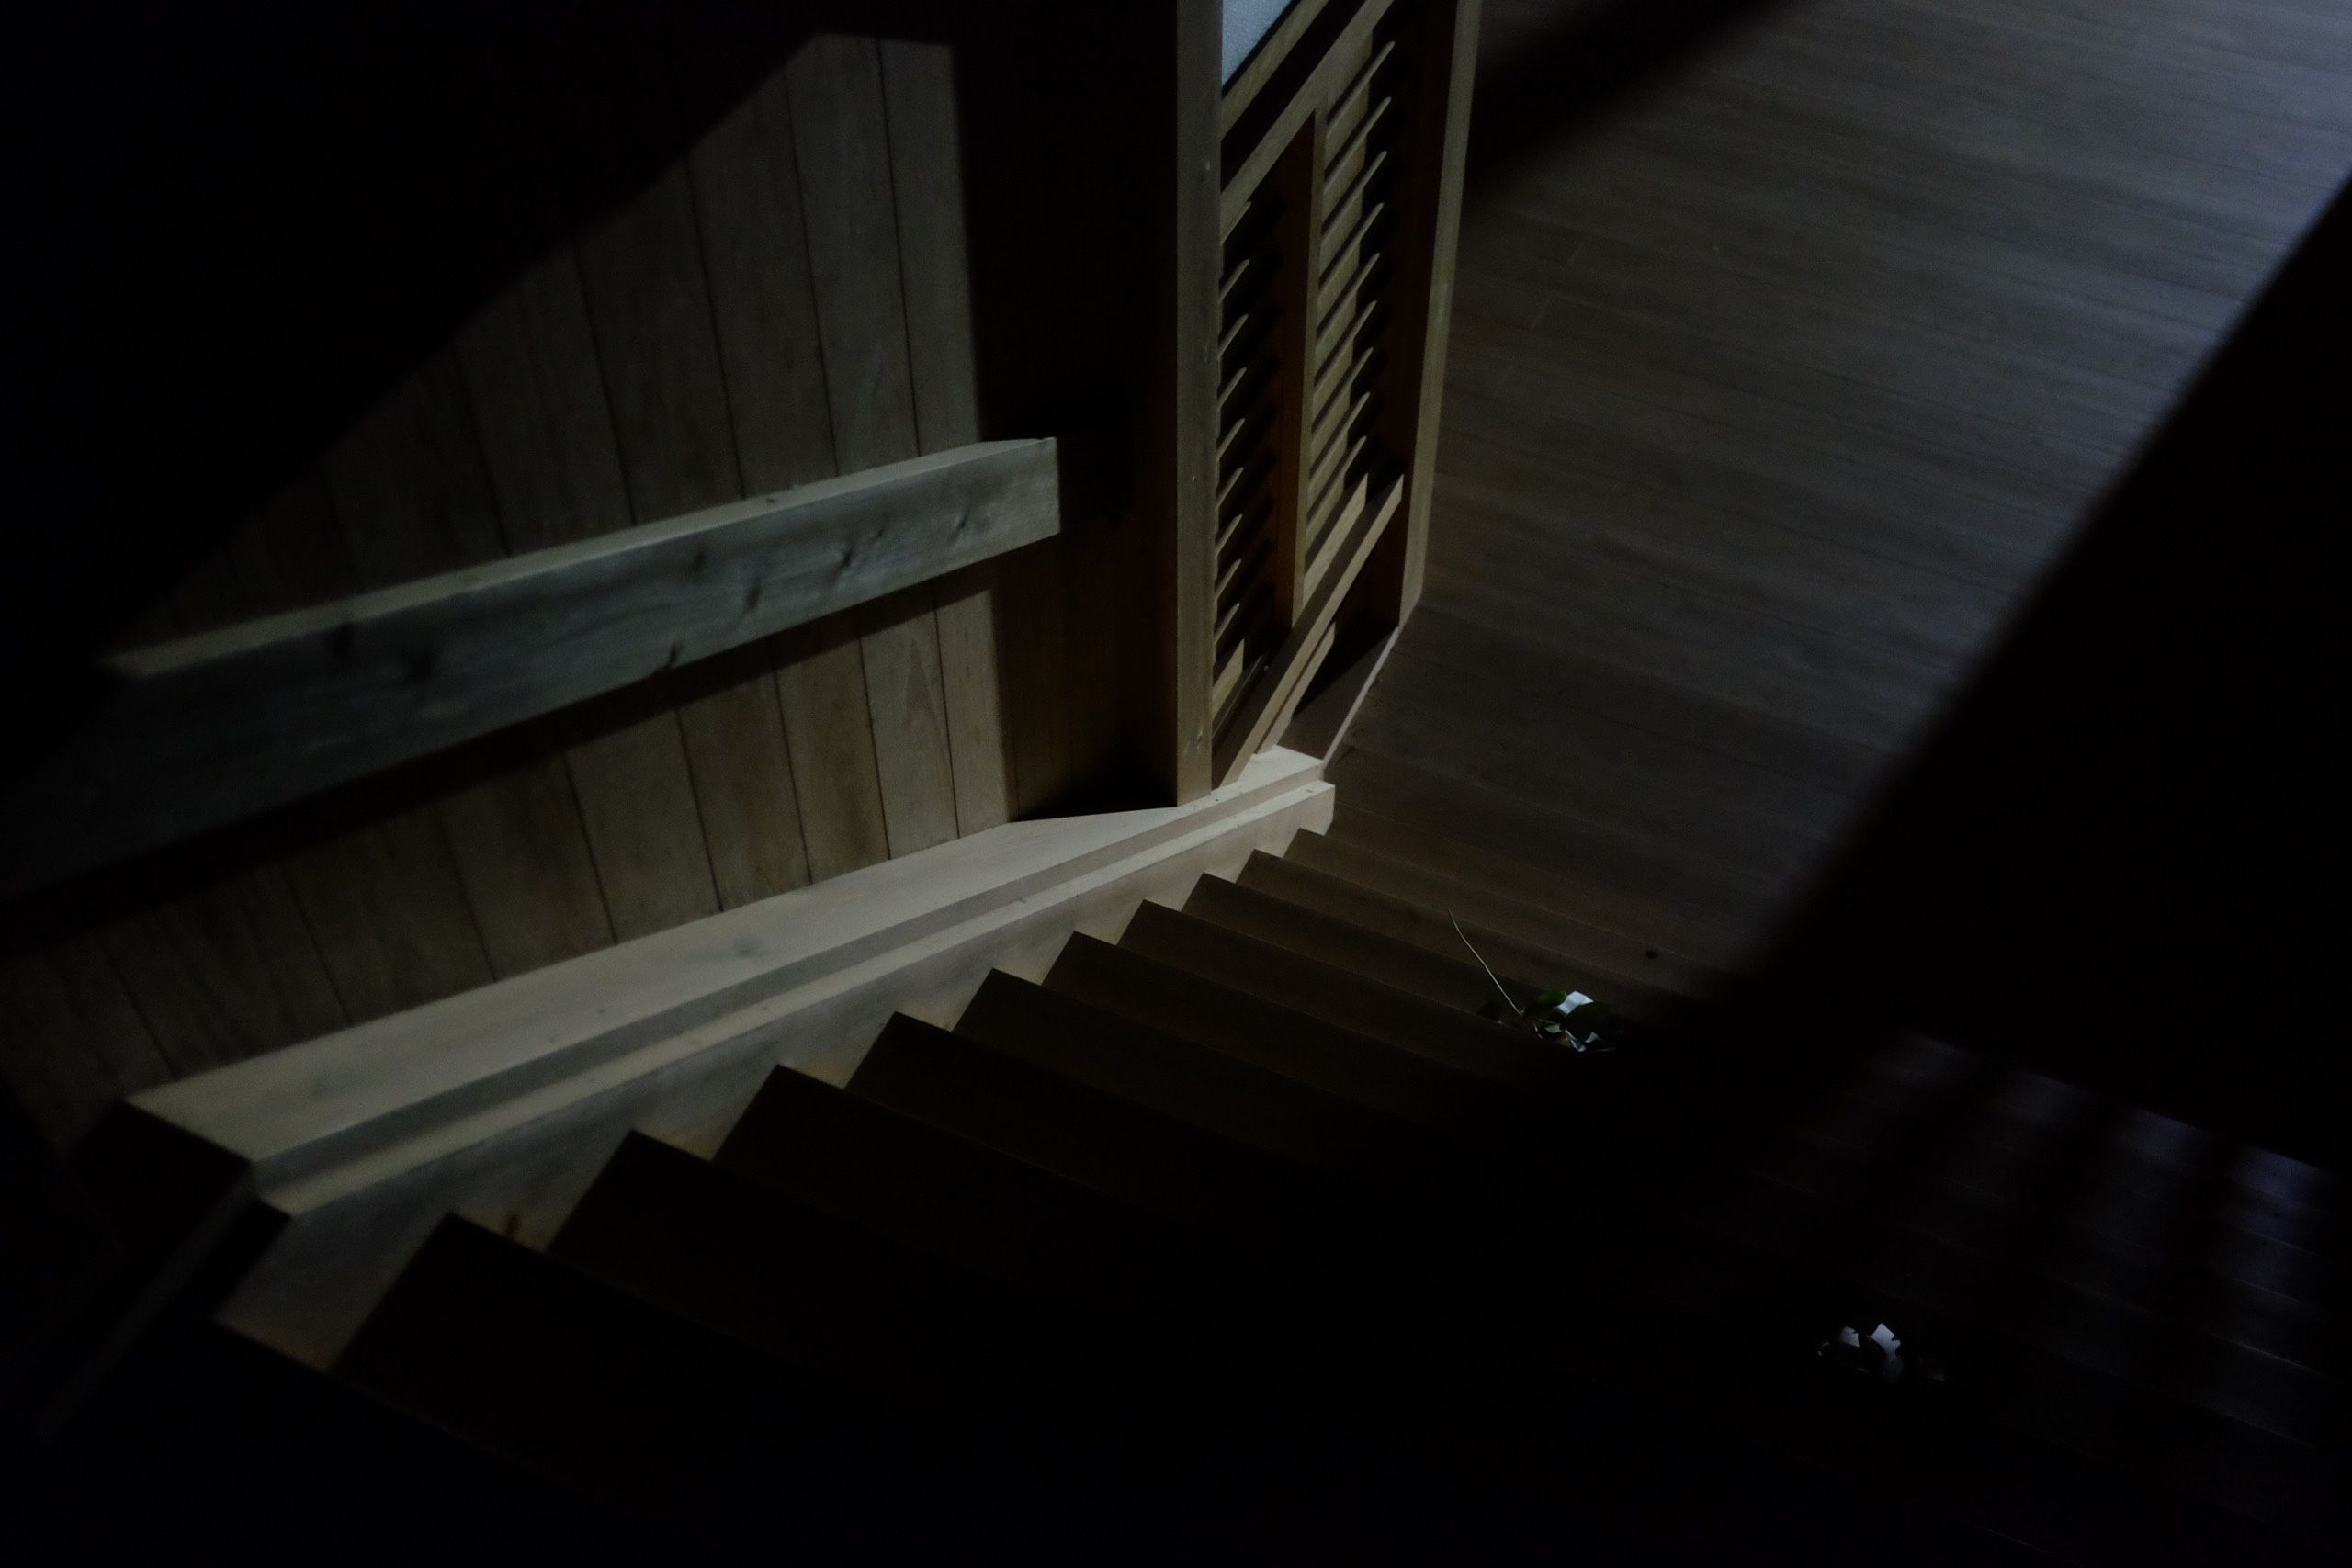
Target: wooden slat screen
{"points": [[1310, 311]]}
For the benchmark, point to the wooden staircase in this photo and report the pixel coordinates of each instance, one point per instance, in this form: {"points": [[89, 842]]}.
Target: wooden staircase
{"points": [[1246, 1238]]}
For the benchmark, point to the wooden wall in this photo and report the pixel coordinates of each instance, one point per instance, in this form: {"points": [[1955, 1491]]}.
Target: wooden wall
{"points": [[788, 301]]}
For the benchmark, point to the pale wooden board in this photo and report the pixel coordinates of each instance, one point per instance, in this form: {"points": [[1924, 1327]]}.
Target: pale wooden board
{"points": [[651, 309], [906, 706], [926, 166], [820, 677], [538, 390], [413, 497], [841, 141]]}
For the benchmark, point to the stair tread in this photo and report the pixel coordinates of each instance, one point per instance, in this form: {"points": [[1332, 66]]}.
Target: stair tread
{"points": [[1374, 1073], [1017, 1222], [1524, 966], [1456, 982], [1383, 1012], [1578, 943], [1138, 1153], [1233, 1097], [846, 1306]]}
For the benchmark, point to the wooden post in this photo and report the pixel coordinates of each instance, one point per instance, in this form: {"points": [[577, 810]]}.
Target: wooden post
{"points": [[1093, 179]]}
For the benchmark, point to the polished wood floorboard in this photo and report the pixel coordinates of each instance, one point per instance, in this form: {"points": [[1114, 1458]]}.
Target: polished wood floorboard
{"points": [[1793, 345]]}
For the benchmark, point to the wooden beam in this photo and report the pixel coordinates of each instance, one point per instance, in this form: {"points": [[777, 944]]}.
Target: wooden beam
{"points": [[1270, 707], [206, 730]]}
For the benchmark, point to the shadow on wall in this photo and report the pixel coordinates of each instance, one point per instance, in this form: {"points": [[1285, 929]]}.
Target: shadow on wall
{"points": [[233, 225], [2123, 858]]}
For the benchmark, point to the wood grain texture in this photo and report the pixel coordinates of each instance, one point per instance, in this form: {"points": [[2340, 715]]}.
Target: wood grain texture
{"points": [[413, 497], [926, 170], [1774, 388], [538, 390], [71, 1041], [208, 729], [747, 191], [650, 301], [842, 137], [820, 678]]}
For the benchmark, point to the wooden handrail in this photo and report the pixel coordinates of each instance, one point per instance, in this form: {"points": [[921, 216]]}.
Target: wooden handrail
{"points": [[206, 730]]}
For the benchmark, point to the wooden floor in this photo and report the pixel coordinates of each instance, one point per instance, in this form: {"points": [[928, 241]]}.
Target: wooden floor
{"points": [[1790, 351]]}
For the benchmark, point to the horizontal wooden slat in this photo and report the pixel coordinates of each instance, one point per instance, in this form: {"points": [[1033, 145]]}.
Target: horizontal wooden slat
{"points": [[1353, 43], [1349, 103], [1273, 53], [1272, 699], [209, 730]]}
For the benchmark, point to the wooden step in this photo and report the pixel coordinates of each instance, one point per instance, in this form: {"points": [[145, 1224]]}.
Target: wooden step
{"points": [[1221, 1093], [1339, 995], [1589, 947], [1371, 1073], [850, 1307], [233, 1447], [1523, 966], [1456, 982], [1007, 1218], [1136, 1153], [531, 1359]]}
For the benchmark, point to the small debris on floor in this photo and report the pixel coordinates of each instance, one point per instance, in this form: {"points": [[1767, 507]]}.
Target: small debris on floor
{"points": [[1878, 1356]]}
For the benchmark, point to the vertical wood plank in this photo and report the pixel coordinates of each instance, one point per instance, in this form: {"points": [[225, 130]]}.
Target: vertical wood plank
{"points": [[1298, 179], [387, 912], [821, 674], [413, 497], [71, 1042], [926, 163], [1443, 61], [1186, 594], [226, 972], [841, 140], [651, 308], [538, 389], [906, 700], [747, 192], [967, 604], [1036, 653]]}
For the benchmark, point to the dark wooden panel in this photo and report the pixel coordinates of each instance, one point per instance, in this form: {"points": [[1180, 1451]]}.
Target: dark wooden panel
{"points": [[842, 141], [926, 174], [648, 300], [754, 233], [413, 497], [531, 365]]}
